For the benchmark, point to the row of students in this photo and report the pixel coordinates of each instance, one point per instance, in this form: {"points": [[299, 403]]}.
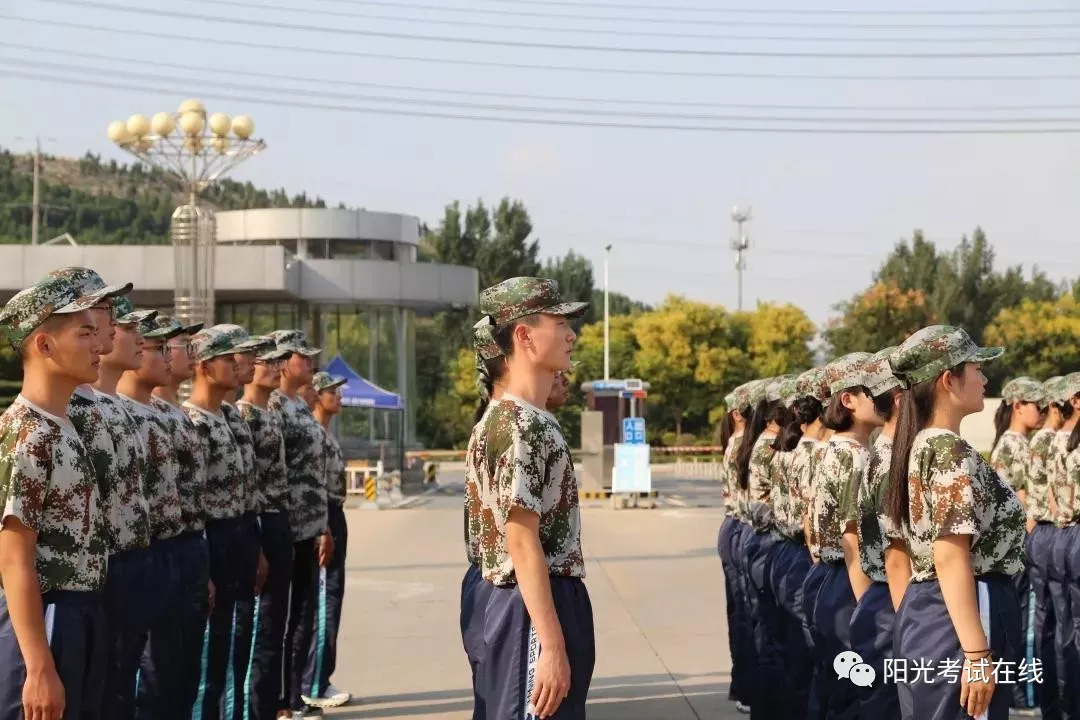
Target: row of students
{"points": [[148, 546], [904, 547], [526, 618]]}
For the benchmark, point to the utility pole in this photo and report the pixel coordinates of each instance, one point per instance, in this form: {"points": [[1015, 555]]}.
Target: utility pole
{"points": [[740, 244], [607, 346], [36, 208]]}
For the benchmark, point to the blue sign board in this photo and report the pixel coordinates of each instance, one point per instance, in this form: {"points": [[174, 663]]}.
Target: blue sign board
{"points": [[631, 473], [633, 430]]}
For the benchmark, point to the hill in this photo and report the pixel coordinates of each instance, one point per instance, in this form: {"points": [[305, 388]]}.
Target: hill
{"points": [[109, 203]]}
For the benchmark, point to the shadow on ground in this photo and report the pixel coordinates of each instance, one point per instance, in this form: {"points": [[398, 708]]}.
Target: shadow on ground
{"points": [[622, 698]]}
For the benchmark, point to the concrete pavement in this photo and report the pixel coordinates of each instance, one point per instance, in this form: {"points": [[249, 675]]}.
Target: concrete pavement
{"points": [[656, 587]]}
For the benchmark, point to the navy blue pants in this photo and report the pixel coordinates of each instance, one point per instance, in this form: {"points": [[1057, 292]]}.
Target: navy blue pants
{"points": [[171, 663], [474, 597], [744, 636], [75, 626], [1057, 580], [924, 633], [791, 562], [726, 542], [233, 566], [271, 608], [1072, 650], [330, 594], [512, 649], [872, 625], [299, 624], [831, 623], [1024, 692], [1040, 544], [768, 621], [138, 588]]}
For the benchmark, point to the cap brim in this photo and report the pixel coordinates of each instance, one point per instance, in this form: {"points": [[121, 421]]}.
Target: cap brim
{"points": [[570, 309], [163, 334], [84, 303], [333, 385], [191, 329], [114, 291], [247, 346], [309, 352], [986, 354], [271, 355]]}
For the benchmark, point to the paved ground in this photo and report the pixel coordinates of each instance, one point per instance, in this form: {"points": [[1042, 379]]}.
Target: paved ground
{"points": [[656, 587]]}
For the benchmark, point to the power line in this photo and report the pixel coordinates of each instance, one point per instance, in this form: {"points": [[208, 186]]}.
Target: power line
{"points": [[204, 88], [332, 52], [650, 33], [488, 42], [531, 109], [546, 98], [519, 11], [790, 11]]}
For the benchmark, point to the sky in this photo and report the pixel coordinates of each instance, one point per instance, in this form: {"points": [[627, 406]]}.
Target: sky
{"points": [[827, 207]]}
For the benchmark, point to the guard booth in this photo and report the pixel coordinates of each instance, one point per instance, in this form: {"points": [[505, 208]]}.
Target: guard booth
{"points": [[614, 443]]}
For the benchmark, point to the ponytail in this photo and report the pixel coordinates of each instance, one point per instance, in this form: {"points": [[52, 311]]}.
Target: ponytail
{"points": [[750, 435], [1074, 438], [805, 411], [916, 409], [1002, 420], [727, 429]]}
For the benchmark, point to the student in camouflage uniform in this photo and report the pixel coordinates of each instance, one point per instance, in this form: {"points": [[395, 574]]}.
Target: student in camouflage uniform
{"points": [[490, 383], [965, 530], [225, 497], [330, 593], [538, 623], [170, 669], [1067, 550], [851, 416], [1059, 579], [250, 557], [312, 543], [1018, 415], [883, 558], [160, 484], [53, 548], [271, 607]]}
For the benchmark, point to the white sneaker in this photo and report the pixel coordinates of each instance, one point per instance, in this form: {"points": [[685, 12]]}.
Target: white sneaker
{"points": [[331, 698], [743, 708], [308, 713]]}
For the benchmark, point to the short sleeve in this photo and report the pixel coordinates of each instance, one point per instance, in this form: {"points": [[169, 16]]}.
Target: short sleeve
{"points": [[24, 477], [520, 471], [850, 469], [952, 495]]}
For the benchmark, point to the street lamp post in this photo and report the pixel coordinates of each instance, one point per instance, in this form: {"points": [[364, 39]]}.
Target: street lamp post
{"points": [[607, 317], [196, 150]]}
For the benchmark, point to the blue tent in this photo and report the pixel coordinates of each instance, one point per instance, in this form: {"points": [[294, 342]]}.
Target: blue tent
{"points": [[358, 392]]}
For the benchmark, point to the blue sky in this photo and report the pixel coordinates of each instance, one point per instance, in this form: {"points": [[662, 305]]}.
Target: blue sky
{"points": [[827, 207]]}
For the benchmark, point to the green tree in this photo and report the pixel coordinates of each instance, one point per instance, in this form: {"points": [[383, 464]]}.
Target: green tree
{"points": [[779, 340], [574, 275], [881, 316], [1041, 339]]}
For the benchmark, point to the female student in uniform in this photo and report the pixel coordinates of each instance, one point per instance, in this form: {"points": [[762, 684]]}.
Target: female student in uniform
{"points": [[882, 571], [1015, 419], [851, 416], [965, 529]]}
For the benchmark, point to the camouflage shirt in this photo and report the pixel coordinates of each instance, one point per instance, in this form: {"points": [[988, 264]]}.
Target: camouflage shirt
{"points": [[730, 476], [520, 459], [1038, 501], [1010, 459], [953, 491], [1072, 489], [253, 499], [473, 513], [832, 506], [190, 465], [163, 469], [799, 480], [876, 529], [335, 469], [48, 482], [119, 459], [761, 482], [269, 444], [784, 504], [305, 464], [1057, 478], [224, 496]]}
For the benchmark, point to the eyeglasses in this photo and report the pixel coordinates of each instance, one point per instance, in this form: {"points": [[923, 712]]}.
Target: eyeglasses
{"points": [[162, 350]]}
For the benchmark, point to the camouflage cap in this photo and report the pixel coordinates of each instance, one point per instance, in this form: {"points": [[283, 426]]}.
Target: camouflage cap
{"points": [[789, 389], [325, 381], [813, 383], [293, 341], [52, 295], [268, 351], [141, 319], [208, 344], [89, 282], [1024, 389], [124, 310], [729, 400], [242, 341], [521, 296], [933, 350], [1071, 386], [484, 339], [879, 374], [1054, 388], [168, 327], [847, 371], [756, 391]]}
